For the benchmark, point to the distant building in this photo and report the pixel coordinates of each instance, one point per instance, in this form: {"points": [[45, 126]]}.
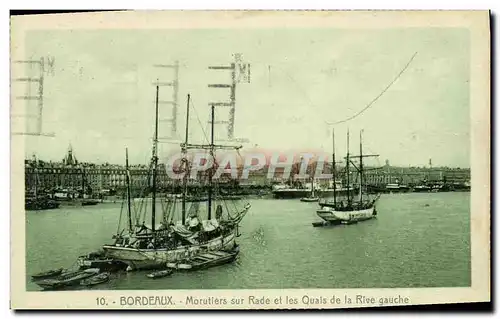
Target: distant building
{"points": [[72, 174]]}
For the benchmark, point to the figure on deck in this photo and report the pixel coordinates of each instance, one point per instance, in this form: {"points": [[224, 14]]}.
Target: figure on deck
{"points": [[218, 212]]}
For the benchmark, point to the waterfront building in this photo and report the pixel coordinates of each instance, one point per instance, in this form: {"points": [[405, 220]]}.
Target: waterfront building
{"points": [[73, 174]]}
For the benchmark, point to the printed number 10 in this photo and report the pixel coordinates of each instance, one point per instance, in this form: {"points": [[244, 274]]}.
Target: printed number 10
{"points": [[101, 301]]}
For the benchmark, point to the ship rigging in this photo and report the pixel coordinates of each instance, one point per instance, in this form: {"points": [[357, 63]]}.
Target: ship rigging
{"points": [[152, 246]]}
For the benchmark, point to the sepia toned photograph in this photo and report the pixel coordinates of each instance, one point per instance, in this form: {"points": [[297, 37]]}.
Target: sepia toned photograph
{"points": [[249, 159]]}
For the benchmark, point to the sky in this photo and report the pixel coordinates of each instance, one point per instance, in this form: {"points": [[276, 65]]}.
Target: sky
{"points": [[100, 97]]}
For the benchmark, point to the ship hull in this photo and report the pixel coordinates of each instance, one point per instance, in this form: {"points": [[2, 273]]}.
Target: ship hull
{"points": [[40, 205], [329, 214], [137, 259], [300, 193]]}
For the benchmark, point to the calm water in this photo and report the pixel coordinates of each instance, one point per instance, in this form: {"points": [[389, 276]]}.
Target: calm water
{"points": [[410, 244]]}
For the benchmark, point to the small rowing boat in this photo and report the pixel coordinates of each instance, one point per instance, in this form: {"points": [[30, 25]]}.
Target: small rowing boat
{"points": [[206, 260], [67, 279], [160, 273], [309, 199], [99, 260], [47, 274], [95, 280]]}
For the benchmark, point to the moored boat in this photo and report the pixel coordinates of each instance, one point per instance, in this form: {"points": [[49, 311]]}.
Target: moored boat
{"points": [[160, 273], [206, 260], [90, 202], [38, 200], [309, 199], [96, 279], [294, 192], [47, 274], [345, 213], [99, 260], [421, 189], [40, 204], [151, 246], [67, 279], [349, 210]]}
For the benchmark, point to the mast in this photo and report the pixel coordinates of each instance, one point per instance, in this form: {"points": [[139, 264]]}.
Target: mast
{"points": [[83, 182], [334, 171], [128, 191], [361, 165], [312, 186], [347, 170], [155, 163], [184, 181], [210, 172], [36, 176]]}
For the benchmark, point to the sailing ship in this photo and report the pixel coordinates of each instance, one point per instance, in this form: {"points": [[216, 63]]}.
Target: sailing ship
{"points": [[76, 197], [36, 201], [296, 189], [311, 197], [350, 209], [142, 246]]}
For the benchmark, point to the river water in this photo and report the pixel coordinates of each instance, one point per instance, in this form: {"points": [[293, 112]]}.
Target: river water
{"points": [[417, 240]]}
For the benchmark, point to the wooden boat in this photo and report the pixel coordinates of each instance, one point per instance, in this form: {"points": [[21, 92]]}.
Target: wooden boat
{"points": [[325, 223], [40, 204], [351, 210], [151, 245], [95, 280], [37, 201], [99, 260], [309, 199], [90, 202], [67, 279], [47, 274], [160, 273], [206, 260]]}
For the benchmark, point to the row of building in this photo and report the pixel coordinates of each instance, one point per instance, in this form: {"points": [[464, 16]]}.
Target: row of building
{"points": [[90, 177]]}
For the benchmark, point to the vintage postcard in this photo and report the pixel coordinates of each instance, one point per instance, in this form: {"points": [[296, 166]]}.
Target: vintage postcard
{"points": [[250, 159]]}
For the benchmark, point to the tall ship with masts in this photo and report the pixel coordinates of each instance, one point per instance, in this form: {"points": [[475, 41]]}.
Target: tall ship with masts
{"points": [[36, 198], [350, 209], [147, 246], [296, 189]]}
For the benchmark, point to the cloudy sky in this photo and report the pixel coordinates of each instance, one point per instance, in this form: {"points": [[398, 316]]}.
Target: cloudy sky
{"points": [[101, 97]]}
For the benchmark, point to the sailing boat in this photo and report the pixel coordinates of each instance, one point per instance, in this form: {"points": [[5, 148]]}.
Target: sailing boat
{"points": [[73, 197], [36, 201], [86, 201], [350, 210], [311, 197], [142, 246]]}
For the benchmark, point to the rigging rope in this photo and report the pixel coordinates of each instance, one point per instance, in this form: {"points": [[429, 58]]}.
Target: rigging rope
{"points": [[120, 220], [199, 122], [173, 210], [378, 96]]}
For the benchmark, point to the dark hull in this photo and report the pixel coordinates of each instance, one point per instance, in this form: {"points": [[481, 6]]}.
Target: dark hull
{"points": [[96, 280], [47, 274], [422, 190], [101, 264], [160, 274], [40, 205], [65, 280], [385, 190], [214, 263], [89, 203], [77, 202], [302, 193], [198, 264]]}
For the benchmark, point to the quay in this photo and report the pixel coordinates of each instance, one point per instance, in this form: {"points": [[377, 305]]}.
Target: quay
{"points": [[69, 178]]}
